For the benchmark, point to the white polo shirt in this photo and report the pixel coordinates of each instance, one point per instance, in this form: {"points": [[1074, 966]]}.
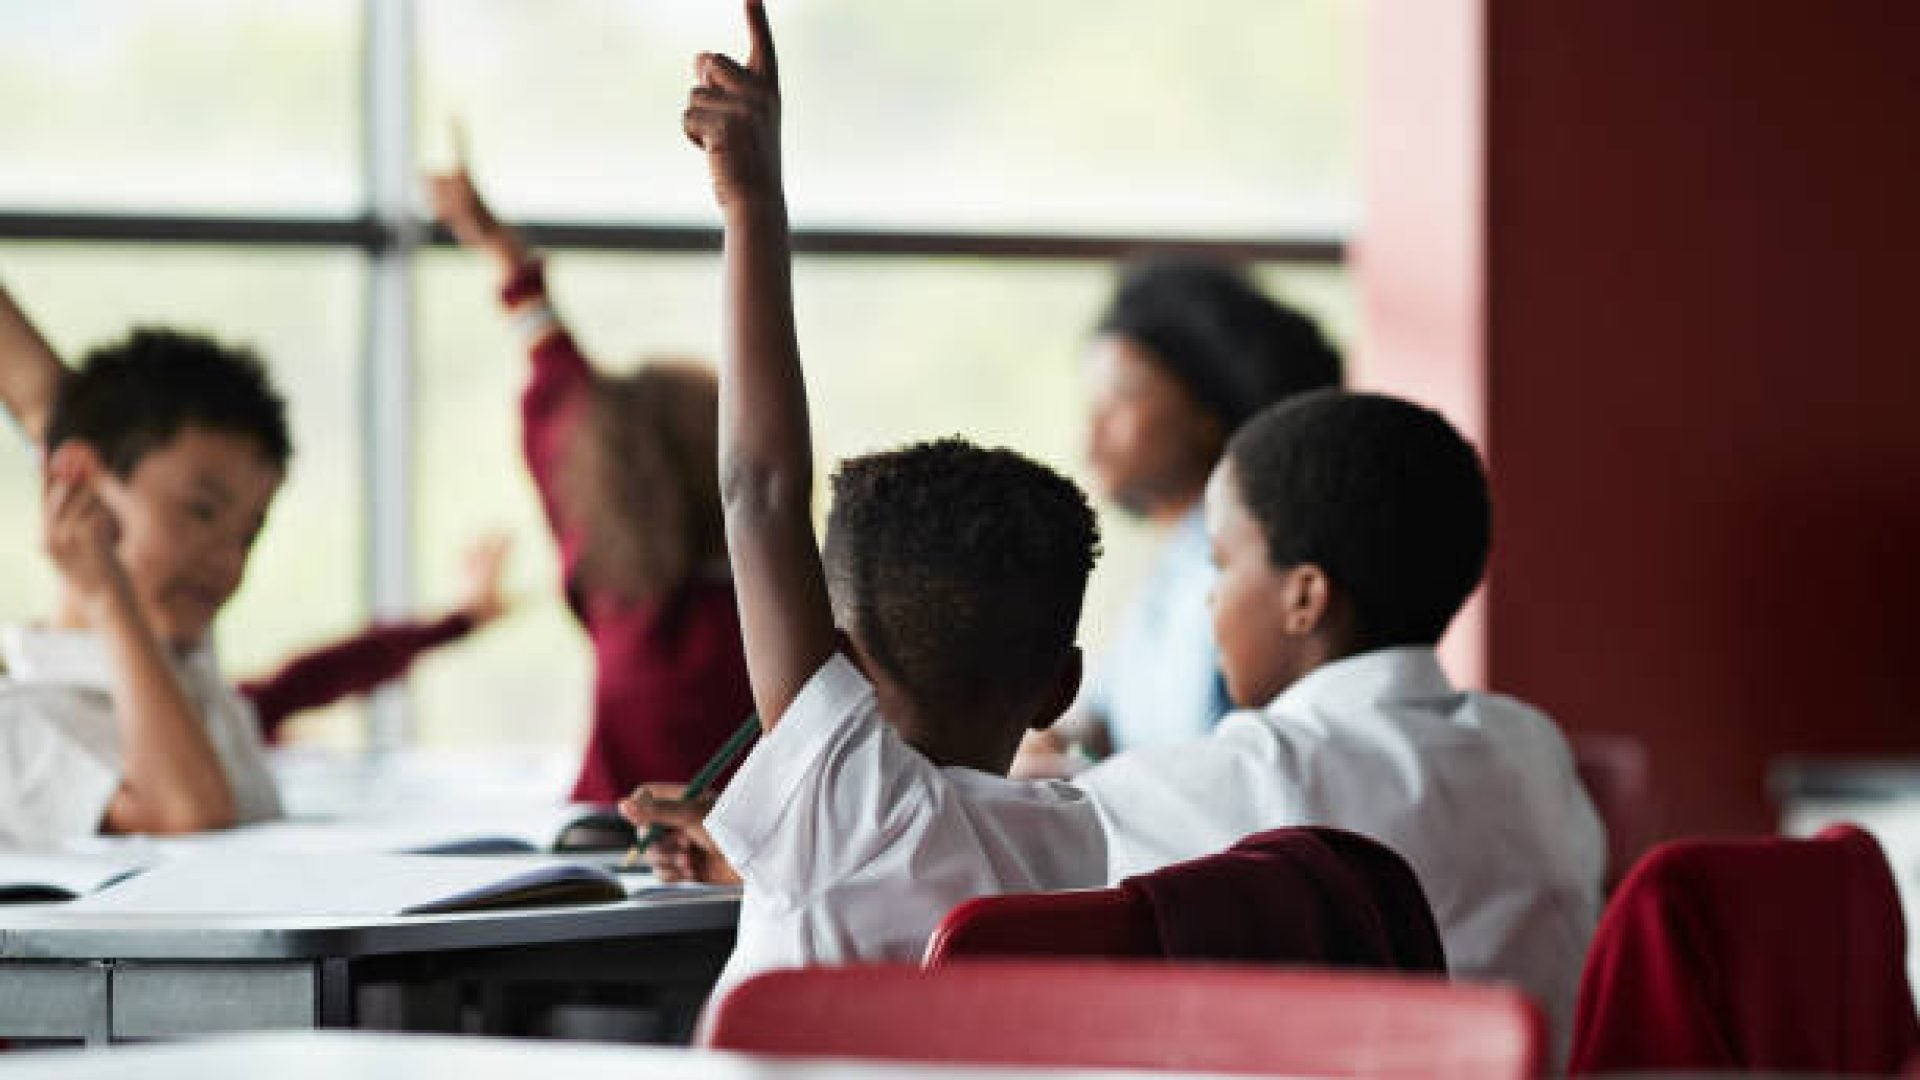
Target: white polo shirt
{"points": [[853, 846], [60, 740], [1476, 791]]}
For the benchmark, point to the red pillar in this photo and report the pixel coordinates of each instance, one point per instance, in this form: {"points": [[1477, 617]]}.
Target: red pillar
{"points": [[1676, 293]]}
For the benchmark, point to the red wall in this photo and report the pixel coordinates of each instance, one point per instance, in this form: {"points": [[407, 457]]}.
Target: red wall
{"points": [[1699, 375]]}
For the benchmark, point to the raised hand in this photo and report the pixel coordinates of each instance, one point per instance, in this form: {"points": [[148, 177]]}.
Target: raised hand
{"points": [[734, 115], [484, 600], [458, 204], [80, 532]]}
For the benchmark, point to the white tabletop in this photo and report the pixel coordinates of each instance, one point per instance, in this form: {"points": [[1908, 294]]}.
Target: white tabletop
{"points": [[351, 1056]]}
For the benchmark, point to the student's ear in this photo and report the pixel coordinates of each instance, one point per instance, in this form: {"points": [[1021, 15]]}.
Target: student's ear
{"points": [[1061, 695], [1306, 599]]}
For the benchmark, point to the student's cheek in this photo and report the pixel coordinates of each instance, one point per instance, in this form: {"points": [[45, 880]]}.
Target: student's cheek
{"points": [[1228, 635]]}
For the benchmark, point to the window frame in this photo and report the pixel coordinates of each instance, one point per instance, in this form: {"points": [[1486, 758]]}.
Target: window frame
{"points": [[389, 235]]}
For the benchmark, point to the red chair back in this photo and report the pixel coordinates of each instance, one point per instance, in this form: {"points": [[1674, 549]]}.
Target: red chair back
{"points": [[1157, 1016], [1619, 780], [1081, 922], [1767, 954]]}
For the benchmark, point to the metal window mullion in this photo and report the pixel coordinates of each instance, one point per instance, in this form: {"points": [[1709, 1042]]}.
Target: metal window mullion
{"points": [[387, 379]]}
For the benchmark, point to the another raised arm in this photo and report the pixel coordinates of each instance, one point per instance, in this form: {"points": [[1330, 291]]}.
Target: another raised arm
{"points": [[766, 450], [30, 371]]}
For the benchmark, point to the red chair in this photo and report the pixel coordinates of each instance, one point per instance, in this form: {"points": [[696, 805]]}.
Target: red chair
{"points": [[1081, 922], [1308, 895], [1170, 1017], [1768, 954], [1619, 780]]}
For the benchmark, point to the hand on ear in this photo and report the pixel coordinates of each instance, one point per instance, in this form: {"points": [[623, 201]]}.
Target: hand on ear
{"points": [[79, 531]]}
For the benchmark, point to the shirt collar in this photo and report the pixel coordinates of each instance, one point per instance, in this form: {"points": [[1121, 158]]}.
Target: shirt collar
{"points": [[72, 657], [1384, 676]]}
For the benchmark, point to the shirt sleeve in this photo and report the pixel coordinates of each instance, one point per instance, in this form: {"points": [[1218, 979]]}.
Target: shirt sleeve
{"points": [[356, 665], [54, 787], [1165, 804], [558, 384], [828, 789]]}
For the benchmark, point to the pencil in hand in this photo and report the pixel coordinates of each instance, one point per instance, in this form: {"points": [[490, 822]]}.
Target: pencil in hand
{"points": [[735, 745]]}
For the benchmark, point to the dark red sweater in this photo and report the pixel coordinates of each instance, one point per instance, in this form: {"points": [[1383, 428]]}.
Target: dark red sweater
{"points": [[354, 666], [670, 673]]}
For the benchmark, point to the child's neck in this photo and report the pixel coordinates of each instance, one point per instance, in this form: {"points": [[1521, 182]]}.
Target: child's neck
{"points": [[1173, 510], [924, 733]]}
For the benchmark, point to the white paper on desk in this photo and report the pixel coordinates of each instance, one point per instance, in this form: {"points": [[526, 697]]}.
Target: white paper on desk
{"points": [[281, 884], [39, 874]]}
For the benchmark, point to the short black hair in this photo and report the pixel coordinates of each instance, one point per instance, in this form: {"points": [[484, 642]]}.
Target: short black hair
{"points": [[134, 396], [959, 569], [1233, 347], [1382, 494]]}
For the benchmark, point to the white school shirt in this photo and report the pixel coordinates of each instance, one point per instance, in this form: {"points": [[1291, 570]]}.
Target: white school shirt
{"points": [[1159, 682], [60, 741], [1476, 791], [853, 846]]}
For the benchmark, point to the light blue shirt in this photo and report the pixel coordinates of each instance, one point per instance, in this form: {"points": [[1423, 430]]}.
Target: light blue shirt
{"points": [[1160, 680]]}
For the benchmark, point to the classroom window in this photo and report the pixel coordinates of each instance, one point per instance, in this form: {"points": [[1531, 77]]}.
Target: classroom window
{"points": [[1224, 116], [964, 191], [896, 350], [227, 105]]}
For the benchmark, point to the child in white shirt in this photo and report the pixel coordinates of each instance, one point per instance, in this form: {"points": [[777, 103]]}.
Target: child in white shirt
{"points": [[164, 453], [1347, 530], [878, 798]]}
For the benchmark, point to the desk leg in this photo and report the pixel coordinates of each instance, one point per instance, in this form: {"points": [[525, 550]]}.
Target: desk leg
{"points": [[333, 994], [99, 1021]]}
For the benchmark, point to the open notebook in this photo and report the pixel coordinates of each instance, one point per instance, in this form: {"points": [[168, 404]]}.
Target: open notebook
{"points": [[349, 884]]}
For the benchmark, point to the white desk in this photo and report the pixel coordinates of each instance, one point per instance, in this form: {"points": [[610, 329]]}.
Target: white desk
{"points": [[101, 977], [389, 1057]]}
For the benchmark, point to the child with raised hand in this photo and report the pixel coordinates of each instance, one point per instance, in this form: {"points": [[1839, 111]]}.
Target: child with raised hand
{"points": [[625, 468], [165, 453], [31, 377], [895, 675], [1348, 529]]}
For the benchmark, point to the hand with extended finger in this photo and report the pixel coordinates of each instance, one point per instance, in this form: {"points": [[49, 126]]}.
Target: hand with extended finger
{"points": [[458, 204], [484, 599], [80, 531], [734, 115]]}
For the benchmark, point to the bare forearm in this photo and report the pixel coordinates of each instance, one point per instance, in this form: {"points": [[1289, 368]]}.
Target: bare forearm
{"points": [[766, 447], [171, 780], [766, 464], [30, 371]]}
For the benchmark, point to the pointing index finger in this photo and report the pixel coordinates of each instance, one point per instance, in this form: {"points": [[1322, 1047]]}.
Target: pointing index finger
{"points": [[762, 60], [457, 131]]}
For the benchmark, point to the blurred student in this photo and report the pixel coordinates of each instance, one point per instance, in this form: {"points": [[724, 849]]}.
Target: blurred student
{"points": [[1186, 351], [1348, 530], [878, 798], [625, 467], [165, 452], [31, 375]]}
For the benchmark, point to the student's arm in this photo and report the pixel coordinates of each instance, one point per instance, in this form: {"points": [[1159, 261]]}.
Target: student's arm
{"points": [[171, 780], [560, 376], [766, 451], [379, 654], [30, 371]]}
